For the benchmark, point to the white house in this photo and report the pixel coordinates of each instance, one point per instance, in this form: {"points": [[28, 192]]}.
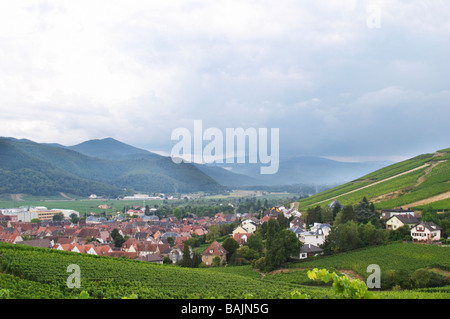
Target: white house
{"points": [[249, 226], [288, 213], [397, 221], [309, 251], [388, 213], [316, 235], [326, 228], [426, 231]]}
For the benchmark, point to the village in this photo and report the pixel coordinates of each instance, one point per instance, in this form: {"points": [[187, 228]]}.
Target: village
{"points": [[147, 237]]}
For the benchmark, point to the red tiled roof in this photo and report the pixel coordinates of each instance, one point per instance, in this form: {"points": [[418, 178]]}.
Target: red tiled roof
{"points": [[215, 249]]}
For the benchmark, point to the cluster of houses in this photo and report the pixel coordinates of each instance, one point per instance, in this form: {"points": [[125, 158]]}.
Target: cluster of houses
{"points": [[149, 238], [152, 239], [420, 231]]}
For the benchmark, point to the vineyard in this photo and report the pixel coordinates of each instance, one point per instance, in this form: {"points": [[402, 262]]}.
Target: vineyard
{"points": [[398, 257], [44, 272], [30, 273], [399, 184]]}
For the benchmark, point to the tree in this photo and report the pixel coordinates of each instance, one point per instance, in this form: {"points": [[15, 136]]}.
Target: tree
{"points": [[342, 237], [314, 215], [230, 245], [118, 242], [285, 244], [283, 221], [186, 260], [74, 218], [255, 242], [363, 211], [327, 214], [170, 241], [213, 233], [272, 228], [117, 238], [401, 233], [336, 209], [345, 215], [370, 235], [58, 217], [178, 213], [245, 253]]}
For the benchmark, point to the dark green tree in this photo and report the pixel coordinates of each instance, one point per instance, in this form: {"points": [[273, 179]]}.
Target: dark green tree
{"points": [[58, 217], [255, 242], [272, 229], [186, 260], [230, 245], [284, 245], [283, 221], [345, 215], [314, 215], [363, 211]]}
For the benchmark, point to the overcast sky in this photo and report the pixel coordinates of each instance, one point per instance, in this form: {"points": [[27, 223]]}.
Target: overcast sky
{"points": [[343, 79]]}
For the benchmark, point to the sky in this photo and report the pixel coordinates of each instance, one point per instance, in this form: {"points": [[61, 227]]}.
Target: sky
{"points": [[343, 79]]}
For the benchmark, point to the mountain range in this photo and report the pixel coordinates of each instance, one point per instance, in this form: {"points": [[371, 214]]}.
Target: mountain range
{"points": [[44, 169], [110, 167]]}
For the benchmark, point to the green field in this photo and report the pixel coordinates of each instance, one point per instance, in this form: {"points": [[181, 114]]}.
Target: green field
{"points": [[80, 205], [28, 272]]}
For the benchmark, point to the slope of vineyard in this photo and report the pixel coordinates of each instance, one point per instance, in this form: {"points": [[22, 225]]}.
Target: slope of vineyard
{"points": [[390, 258], [28, 272], [417, 179], [45, 270]]}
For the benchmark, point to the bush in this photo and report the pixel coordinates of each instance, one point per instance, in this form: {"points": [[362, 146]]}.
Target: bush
{"points": [[420, 278], [424, 278], [260, 264], [388, 279]]}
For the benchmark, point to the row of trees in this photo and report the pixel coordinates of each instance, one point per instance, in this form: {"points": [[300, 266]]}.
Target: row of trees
{"points": [[363, 212]]}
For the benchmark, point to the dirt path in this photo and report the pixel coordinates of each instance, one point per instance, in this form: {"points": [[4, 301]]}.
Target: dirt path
{"points": [[65, 196], [376, 183], [17, 197], [428, 170], [428, 200], [350, 274], [400, 192]]}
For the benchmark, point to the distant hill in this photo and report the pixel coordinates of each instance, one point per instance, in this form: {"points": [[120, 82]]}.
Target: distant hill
{"points": [[418, 181], [109, 148], [22, 173], [22, 161], [226, 177], [305, 170]]}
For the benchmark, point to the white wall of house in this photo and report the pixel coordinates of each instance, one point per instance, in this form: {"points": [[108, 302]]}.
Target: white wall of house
{"points": [[311, 238], [421, 233], [249, 227], [393, 223]]}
